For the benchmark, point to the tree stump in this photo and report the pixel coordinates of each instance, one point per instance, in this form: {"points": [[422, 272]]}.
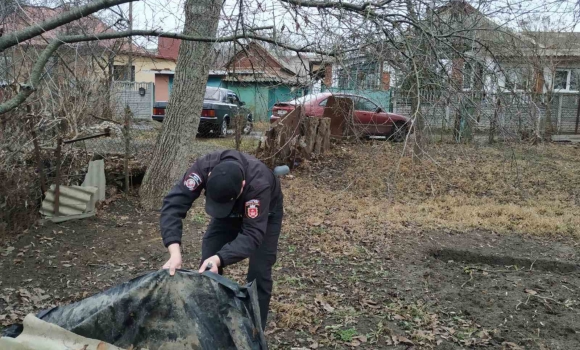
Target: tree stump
{"points": [[294, 138], [325, 132], [340, 111], [310, 128]]}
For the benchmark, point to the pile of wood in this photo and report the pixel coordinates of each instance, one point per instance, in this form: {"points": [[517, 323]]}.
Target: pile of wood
{"points": [[298, 137]]}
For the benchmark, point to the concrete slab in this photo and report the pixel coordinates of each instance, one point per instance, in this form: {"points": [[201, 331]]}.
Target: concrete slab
{"points": [[96, 178]]}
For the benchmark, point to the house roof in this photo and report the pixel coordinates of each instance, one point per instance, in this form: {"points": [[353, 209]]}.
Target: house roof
{"points": [[33, 15], [254, 63], [556, 40], [264, 55]]}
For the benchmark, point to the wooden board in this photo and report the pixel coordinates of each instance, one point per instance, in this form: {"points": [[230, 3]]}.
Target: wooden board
{"points": [[340, 111]]}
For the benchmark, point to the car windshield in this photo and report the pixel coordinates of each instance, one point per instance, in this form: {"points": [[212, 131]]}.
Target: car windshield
{"points": [[212, 94], [304, 99]]}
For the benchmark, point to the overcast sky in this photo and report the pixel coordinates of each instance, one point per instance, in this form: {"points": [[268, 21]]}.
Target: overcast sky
{"points": [[167, 15]]}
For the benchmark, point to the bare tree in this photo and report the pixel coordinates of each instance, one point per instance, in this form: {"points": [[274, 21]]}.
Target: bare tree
{"points": [[174, 149]]}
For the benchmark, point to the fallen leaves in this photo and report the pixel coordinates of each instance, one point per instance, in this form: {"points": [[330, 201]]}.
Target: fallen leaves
{"points": [[314, 221], [8, 251], [510, 346], [22, 301], [319, 299]]}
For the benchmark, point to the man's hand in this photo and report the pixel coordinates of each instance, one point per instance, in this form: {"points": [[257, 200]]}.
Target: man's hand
{"points": [[174, 261], [214, 261]]}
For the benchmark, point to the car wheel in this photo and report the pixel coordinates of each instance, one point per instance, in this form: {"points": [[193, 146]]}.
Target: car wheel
{"points": [[399, 133], [248, 126], [223, 131]]}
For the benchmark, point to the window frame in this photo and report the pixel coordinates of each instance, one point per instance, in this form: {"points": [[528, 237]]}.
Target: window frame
{"points": [[521, 72], [124, 66], [569, 74]]}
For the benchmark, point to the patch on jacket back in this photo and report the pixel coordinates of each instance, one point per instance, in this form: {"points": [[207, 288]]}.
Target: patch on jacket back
{"points": [[192, 181], [253, 208]]}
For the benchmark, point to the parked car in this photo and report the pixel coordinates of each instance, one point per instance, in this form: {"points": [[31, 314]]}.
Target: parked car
{"points": [[220, 106], [369, 118]]}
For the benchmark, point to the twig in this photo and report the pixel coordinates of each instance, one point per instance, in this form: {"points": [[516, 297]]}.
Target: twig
{"points": [[485, 270], [470, 279], [106, 120], [532, 266]]}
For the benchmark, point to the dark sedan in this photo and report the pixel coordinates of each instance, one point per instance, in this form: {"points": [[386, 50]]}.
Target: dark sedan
{"points": [[220, 106]]}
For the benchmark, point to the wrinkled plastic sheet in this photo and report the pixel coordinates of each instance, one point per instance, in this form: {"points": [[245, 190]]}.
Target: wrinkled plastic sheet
{"points": [[158, 311], [41, 335]]}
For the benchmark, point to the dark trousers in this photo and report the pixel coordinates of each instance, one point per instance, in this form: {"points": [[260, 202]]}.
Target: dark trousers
{"points": [[222, 231]]}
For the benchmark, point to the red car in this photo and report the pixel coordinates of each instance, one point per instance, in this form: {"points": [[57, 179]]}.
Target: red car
{"points": [[370, 118]]}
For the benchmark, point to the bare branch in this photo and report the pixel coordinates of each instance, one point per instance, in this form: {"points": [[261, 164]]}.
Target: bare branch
{"points": [[337, 5], [35, 74], [12, 39]]}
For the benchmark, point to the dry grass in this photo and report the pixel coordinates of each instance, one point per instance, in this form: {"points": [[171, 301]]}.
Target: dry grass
{"points": [[248, 144], [530, 190], [344, 213]]}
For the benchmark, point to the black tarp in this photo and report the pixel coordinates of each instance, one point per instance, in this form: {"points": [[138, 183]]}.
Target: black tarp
{"points": [[155, 310]]}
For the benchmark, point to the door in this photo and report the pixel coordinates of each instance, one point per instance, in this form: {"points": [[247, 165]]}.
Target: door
{"points": [[232, 102], [364, 111], [375, 120], [271, 100]]}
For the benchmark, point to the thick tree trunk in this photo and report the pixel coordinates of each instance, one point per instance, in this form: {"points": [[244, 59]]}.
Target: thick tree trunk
{"points": [[174, 150]]}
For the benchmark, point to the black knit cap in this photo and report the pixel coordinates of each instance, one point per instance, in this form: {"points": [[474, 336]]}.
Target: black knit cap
{"points": [[223, 188]]}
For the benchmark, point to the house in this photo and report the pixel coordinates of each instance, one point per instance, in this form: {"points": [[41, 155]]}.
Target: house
{"points": [[259, 76], [261, 79], [534, 74], [496, 59], [168, 48], [363, 74], [104, 59]]}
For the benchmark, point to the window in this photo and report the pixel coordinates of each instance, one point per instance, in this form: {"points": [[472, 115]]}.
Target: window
{"points": [[361, 76], [212, 94], [306, 98], [233, 99], [120, 73], [472, 75], [365, 105], [467, 76], [567, 79], [517, 78]]}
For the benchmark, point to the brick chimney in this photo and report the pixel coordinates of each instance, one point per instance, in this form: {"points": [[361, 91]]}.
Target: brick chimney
{"points": [[328, 75], [168, 47], [385, 81]]}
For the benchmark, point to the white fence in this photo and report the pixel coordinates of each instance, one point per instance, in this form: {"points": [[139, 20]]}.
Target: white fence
{"points": [[506, 111], [138, 96]]}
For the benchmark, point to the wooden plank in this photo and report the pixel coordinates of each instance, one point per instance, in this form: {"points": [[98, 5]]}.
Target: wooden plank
{"points": [[290, 128], [310, 126], [324, 129]]}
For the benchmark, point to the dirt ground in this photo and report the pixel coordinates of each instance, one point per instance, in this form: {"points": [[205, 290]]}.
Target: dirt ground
{"points": [[376, 252]]}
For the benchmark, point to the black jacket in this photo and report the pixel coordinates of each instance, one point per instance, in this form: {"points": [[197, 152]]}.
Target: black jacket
{"points": [[260, 196]]}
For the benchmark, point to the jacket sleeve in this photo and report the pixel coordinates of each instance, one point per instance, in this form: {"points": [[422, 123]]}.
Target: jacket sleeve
{"points": [[178, 201], [254, 225]]}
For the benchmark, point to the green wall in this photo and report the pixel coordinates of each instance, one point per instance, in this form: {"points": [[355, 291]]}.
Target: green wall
{"points": [[214, 81], [260, 98]]}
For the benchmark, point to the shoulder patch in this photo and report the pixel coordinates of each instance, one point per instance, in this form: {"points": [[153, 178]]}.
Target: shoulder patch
{"points": [[192, 182], [253, 208]]}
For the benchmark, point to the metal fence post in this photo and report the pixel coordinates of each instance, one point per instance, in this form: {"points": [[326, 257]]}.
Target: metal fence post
{"points": [[577, 114], [560, 101]]}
